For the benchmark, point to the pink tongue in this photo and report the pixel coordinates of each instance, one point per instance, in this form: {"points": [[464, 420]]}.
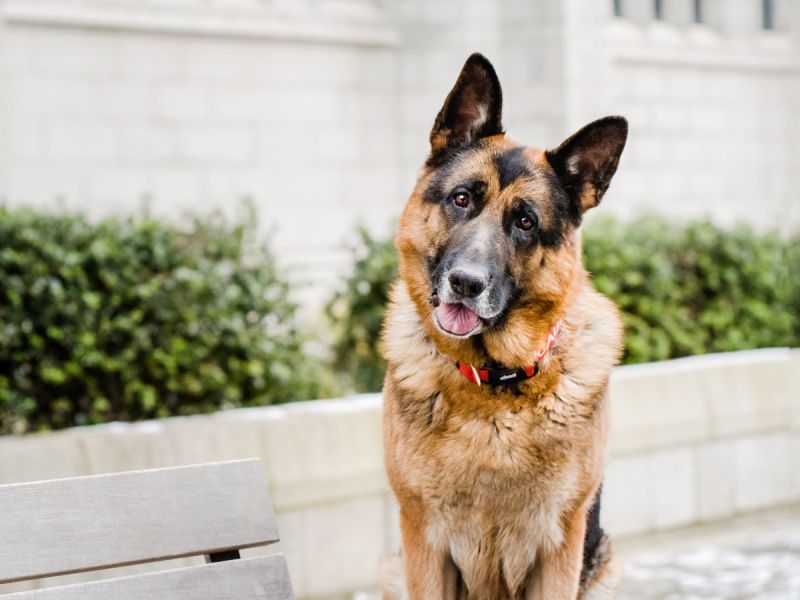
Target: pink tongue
{"points": [[456, 318]]}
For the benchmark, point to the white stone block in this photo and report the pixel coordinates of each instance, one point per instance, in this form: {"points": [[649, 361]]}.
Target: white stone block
{"points": [[75, 52], [376, 188], [333, 549], [679, 401], [738, 17], [678, 12], [704, 183], [18, 53], [672, 481], [348, 545], [359, 109], [140, 447], [143, 143], [630, 182], [669, 117], [181, 102], [306, 107], [123, 188], [35, 96], [338, 145], [764, 472], [749, 397], [794, 395], [24, 139], [242, 104], [715, 479], [278, 147], [219, 145], [205, 60], [647, 84], [708, 118], [37, 457], [80, 99], [627, 504], [688, 152], [65, 187], [121, 99], [212, 438], [298, 66], [651, 408], [80, 141], [313, 456], [150, 58], [689, 86], [392, 537], [294, 544], [221, 183], [651, 150], [176, 186], [794, 466]]}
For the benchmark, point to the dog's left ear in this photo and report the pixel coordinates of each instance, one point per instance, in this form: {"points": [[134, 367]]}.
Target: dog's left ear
{"points": [[586, 162], [472, 110]]}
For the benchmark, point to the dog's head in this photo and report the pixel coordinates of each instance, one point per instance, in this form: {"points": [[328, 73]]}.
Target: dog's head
{"points": [[490, 234]]}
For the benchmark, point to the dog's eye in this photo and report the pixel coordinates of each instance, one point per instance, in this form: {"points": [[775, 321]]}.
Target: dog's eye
{"points": [[524, 223], [461, 199]]}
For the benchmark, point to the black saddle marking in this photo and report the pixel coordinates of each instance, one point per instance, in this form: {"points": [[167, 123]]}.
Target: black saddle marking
{"points": [[594, 535]]}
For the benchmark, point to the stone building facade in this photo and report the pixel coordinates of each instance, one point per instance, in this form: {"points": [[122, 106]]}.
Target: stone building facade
{"points": [[318, 110]]}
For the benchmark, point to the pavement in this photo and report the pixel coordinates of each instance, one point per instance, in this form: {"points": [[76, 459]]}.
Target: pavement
{"points": [[752, 557]]}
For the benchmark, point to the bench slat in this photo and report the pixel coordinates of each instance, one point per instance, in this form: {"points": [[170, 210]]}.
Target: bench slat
{"points": [[262, 578], [85, 523]]}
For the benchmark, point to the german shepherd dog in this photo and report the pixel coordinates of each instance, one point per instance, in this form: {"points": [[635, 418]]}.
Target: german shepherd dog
{"points": [[499, 352]]}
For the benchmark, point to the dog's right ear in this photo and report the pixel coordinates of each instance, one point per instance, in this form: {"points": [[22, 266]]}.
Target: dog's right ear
{"points": [[586, 162], [473, 109]]}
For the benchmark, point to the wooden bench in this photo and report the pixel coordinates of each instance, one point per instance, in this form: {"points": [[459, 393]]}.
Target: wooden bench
{"points": [[82, 524]]}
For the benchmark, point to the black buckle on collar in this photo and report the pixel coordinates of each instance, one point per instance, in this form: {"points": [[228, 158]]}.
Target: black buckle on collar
{"points": [[506, 376]]}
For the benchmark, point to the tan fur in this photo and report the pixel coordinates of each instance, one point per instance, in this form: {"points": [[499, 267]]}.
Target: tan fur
{"points": [[494, 486]]}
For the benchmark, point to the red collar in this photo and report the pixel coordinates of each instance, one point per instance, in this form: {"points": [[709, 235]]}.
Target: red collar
{"points": [[502, 375]]}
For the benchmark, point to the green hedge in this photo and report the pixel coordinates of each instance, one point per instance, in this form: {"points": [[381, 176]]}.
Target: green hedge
{"points": [[695, 289], [683, 290], [134, 319], [127, 320], [356, 312]]}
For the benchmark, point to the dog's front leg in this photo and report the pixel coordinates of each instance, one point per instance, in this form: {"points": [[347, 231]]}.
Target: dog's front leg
{"points": [[430, 573], [556, 575]]}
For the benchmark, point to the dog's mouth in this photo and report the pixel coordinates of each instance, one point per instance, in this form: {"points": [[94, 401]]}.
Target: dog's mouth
{"points": [[455, 318]]}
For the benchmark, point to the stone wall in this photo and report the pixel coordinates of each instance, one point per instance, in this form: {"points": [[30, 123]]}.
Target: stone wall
{"points": [[112, 107], [693, 440], [320, 111], [525, 42], [711, 106]]}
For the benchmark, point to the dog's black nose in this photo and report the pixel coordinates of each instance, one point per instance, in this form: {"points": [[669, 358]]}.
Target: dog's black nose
{"points": [[465, 283]]}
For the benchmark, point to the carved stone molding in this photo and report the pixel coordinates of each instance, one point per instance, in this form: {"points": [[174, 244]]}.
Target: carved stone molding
{"points": [[348, 22]]}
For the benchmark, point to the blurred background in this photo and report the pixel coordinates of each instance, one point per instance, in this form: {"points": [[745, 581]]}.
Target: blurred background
{"points": [[197, 199]]}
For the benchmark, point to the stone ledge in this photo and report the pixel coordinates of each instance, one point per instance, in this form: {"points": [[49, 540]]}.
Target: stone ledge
{"points": [[330, 450], [205, 20], [694, 399], [701, 47], [759, 61], [795, 408], [693, 440]]}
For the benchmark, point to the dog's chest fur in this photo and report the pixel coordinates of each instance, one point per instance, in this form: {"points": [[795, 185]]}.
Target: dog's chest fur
{"points": [[494, 484]]}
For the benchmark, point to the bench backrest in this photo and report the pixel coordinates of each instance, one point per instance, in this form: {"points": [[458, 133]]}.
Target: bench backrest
{"points": [[86, 523]]}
